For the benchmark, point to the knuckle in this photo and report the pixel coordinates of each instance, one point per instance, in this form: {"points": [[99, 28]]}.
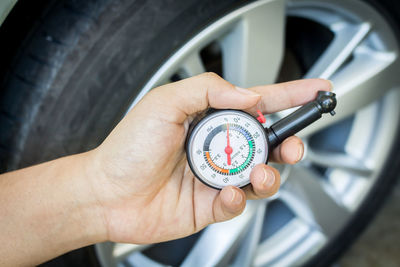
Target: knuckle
{"points": [[210, 76], [264, 193], [267, 193]]}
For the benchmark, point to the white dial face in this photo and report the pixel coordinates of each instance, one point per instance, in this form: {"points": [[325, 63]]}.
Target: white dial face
{"points": [[225, 146]]}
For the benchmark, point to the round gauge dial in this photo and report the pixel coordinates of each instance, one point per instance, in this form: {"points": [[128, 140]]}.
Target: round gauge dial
{"points": [[225, 146]]}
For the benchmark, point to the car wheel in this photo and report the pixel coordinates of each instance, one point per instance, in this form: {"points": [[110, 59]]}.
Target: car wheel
{"points": [[81, 65]]}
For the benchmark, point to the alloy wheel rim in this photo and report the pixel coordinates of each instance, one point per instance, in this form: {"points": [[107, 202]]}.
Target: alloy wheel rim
{"points": [[326, 188]]}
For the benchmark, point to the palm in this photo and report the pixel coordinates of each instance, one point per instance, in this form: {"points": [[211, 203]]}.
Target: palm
{"points": [[165, 185]]}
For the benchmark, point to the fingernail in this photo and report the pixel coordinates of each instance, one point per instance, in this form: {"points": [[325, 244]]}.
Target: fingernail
{"points": [[235, 199], [246, 92], [331, 85], [300, 152], [269, 178]]}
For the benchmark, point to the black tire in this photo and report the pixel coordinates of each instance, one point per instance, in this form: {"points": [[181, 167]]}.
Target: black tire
{"points": [[81, 60], [73, 68]]}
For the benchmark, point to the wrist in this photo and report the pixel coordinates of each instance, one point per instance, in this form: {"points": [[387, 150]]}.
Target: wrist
{"points": [[91, 212], [49, 209]]}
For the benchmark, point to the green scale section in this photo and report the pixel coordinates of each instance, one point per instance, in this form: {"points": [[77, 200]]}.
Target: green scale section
{"points": [[246, 163]]}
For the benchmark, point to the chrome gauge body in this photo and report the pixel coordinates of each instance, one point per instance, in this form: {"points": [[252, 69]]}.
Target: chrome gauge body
{"points": [[225, 146]]}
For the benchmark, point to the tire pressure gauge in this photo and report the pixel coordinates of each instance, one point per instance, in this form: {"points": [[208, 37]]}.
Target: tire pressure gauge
{"points": [[223, 146]]}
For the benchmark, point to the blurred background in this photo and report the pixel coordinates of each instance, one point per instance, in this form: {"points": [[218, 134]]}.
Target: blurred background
{"points": [[379, 245]]}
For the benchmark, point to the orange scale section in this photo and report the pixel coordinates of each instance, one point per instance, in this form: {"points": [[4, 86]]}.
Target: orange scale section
{"points": [[213, 164]]}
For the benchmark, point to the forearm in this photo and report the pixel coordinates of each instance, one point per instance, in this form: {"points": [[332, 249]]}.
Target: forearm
{"points": [[47, 210]]}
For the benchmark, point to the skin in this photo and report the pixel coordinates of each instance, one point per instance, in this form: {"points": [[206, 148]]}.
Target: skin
{"points": [[136, 187]]}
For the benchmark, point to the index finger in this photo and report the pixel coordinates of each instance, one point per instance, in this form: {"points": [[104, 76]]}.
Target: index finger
{"points": [[281, 96], [192, 95]]}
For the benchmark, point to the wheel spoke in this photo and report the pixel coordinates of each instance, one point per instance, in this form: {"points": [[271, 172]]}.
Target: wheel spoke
{"points": [[112, 253], [338, 160], [247, 251], [253, 49], [306, 195], [219, 241], [192, 66], [364, 80], [347, 38], [104, 253], [138, 259], [283, 249], [121, 250]]}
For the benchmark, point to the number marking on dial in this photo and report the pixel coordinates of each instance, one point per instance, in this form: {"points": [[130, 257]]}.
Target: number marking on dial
{"points": [[224, 148], [248, 147]]}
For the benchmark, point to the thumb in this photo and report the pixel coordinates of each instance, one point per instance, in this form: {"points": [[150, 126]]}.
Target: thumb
{"points": [[197, 93], [229, 203]]}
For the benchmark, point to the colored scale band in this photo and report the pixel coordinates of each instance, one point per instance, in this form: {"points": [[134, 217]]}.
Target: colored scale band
{"points": [[212, 164], [248, 159], [214, 132]]}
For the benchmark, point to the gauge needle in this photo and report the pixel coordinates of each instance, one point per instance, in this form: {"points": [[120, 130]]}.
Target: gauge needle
{"points": [[228, 148]]}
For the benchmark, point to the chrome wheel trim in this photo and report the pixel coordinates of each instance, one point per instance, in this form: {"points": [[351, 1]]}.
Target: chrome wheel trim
{"points": [[360, 32]]}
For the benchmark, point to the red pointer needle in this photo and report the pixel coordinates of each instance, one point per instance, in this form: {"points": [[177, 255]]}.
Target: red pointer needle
{"points": [[228, 148]]}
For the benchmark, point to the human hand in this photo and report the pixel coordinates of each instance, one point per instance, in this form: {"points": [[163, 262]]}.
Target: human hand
{"points": [[142, 180]]}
